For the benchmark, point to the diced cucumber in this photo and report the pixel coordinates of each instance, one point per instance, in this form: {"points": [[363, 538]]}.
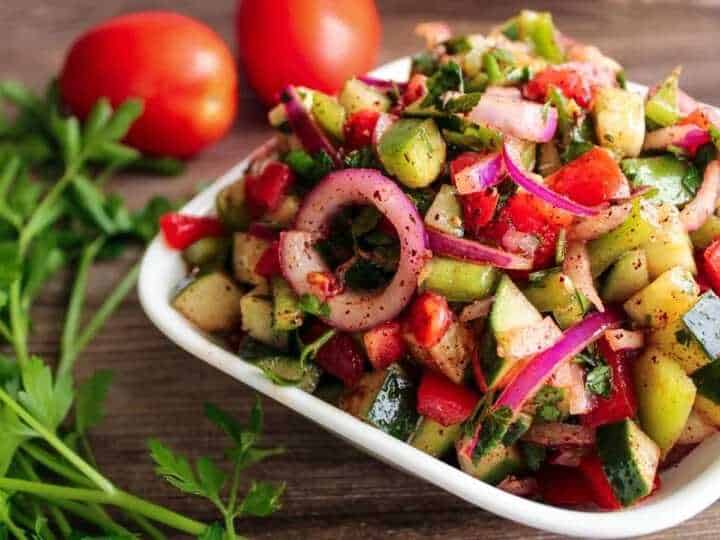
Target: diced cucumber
{"points": [[537, 28], [707, 381], [413, 150], [670, 245], [450, 356], [284, 215], [433, 438], [626, 277], [386, 400], [257, 321], [619, 120], [703, 322], [664, 173], [696, 429], [707, 234], [247, 250], [665, 299], [445, 213], [549, 160], [662, 109], [635, 231], [555, 293], [231, 209], [207, 253], [630, 460], [458, 281], [676, 340], [277, 116], [329, 114], [211, 302], [500, 462], [285, 370], [665, 396], [357, 96], [287, 314]]}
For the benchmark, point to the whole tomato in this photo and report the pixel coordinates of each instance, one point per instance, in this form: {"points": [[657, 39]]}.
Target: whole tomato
{"points": [[180, 67], [314, 43]]}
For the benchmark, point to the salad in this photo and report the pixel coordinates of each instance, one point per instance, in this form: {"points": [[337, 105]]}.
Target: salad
{"points": [[509, 261]]}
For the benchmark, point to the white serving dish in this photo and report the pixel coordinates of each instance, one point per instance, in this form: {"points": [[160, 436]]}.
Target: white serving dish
{"points": [[686, 489]]}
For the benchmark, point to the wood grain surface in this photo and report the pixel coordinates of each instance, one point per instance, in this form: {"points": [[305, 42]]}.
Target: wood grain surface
{"points": [[333, 491]]}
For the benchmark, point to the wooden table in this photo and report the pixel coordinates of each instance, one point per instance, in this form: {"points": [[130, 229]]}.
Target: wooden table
{"points": [[334, 492]]}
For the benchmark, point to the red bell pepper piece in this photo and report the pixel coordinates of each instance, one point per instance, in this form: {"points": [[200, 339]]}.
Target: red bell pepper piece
{"points": [[564, 486], [265, 192], [182, 230], [264, 231], [711, 265], [621, 402], [602, 492], [384, 344], [358, 129], [342, 357], [442, 400], [591, 179], [429, 318], [571, 83], [269, 263]]}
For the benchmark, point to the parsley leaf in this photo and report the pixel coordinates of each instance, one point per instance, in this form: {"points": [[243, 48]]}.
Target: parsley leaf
{"points": [[365, 275], [534, 455], [311, 304], [464, 103], [90, 401], [174, 468], [448, 78], [493, 429], [309, 168], [546, 401], [424, 63], [422, 198], [48, 401], [261, 500], [362, 158], [692, 180], [599, 380]]}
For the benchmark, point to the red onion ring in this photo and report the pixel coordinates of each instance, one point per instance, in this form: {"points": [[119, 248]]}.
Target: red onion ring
{"points": [[534, 184], [383, 84], [303, 125], [689, 137], [697, 211], [481, 175], [520, 118], [596, 226], [468, 250], [355, 311], [576, 266]]}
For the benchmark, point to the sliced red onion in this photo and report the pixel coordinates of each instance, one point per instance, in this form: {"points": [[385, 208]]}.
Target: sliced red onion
{"points": [[384, 85], [576, 266], [479, 309], [520, 242], [303, 125], [534, 184], [571, 378], [689, 137], [523, 342], [519, 118], [384, 121], [481, 175], [468, 250], [697, 211], [625, 340], [508, 92], [607, 220], [355, 311], [558, 434], [537, 371]]}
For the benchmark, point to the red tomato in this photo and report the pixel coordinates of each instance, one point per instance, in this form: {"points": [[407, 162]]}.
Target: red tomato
{"points": [[314, 43], [265, 192], [342, 358], [442, 400], [712, 264], [359, 128], [181, 68], [479, 209], [621, 402], [429, 318], [384, 344], [564, 486], [416, 88], [181, 230], [602, 491], [568, 81], [269, 263], [592, 179]]}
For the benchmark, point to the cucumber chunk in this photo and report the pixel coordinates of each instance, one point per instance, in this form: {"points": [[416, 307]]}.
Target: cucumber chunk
{"points": [[662, 108], [676, 340], [619, 120], [667, 298], [284, 370], [630, 460], [670, 245], [702, 321], [707, 380], [231, 209], [450, 356], [357, 96], [493, 467], [287, 314], [247, 250], [555, 293], [665, 396], [284, 215], [207, 253], [211, 302], [257, 320], [445, 213], [707, 234], [414, 151], [458, 281], [627, 276], [433, 438], [329, 114]]}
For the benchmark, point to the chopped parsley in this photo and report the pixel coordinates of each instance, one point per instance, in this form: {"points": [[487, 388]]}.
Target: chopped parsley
{"points": [[311, 304], [599, 380], [494, 428], [546, 402], [534, 455], [464, 103], [692, 180], [362, 158], [448, 78], [309, 168], [365, 275]]}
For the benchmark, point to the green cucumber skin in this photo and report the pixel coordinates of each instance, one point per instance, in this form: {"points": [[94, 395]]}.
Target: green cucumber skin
{"points": [[707, 381], [433, 438], [393, 409], [459, 281], [665, 173], [702, 322]]}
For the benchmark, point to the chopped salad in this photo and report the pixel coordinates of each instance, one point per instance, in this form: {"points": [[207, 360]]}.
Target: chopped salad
{"points": [[509, 261]]}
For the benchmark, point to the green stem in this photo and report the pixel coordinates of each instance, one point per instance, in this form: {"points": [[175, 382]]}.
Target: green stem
{"points": [[15, 530], [77, 300], [18, 324], [53, 464], [232, 503], [230, 526], [103, 313], [93, 514], [80, 464], [6, 332], [56, 513], [117, 498], [151, 530]]}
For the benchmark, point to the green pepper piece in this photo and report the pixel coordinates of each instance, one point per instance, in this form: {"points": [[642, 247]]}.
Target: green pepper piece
{"points": [[538, 29], [662, 109], [665, 173]]}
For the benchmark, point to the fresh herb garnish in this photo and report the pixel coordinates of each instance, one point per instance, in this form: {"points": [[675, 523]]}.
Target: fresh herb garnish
{"points": [[534, 455], [692, 180], [365, 275], [424, 63], [458, 45], [546, 403], [310, 169], [312, 305], [599, 380], [494, 428], [464, 103], [447, 78], [422, 198], [362, 158]]}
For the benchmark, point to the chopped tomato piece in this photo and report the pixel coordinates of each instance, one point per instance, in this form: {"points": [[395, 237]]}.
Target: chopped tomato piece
{"points": [[712, 265], [416, 88], [181, 230], [697, 117], [479, 209], [264, 231], [592, 179], [324, 284], [602, 491], [564, 486], [478, 373], [621, 402], [429, 318], [442, 400], [571, 83], [342, 357], [359, 128], [269, 263], [384, 344], [266, 191]]}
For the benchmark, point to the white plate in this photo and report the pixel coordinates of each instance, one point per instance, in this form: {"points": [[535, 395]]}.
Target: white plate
{"points": [[686, 490]]}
